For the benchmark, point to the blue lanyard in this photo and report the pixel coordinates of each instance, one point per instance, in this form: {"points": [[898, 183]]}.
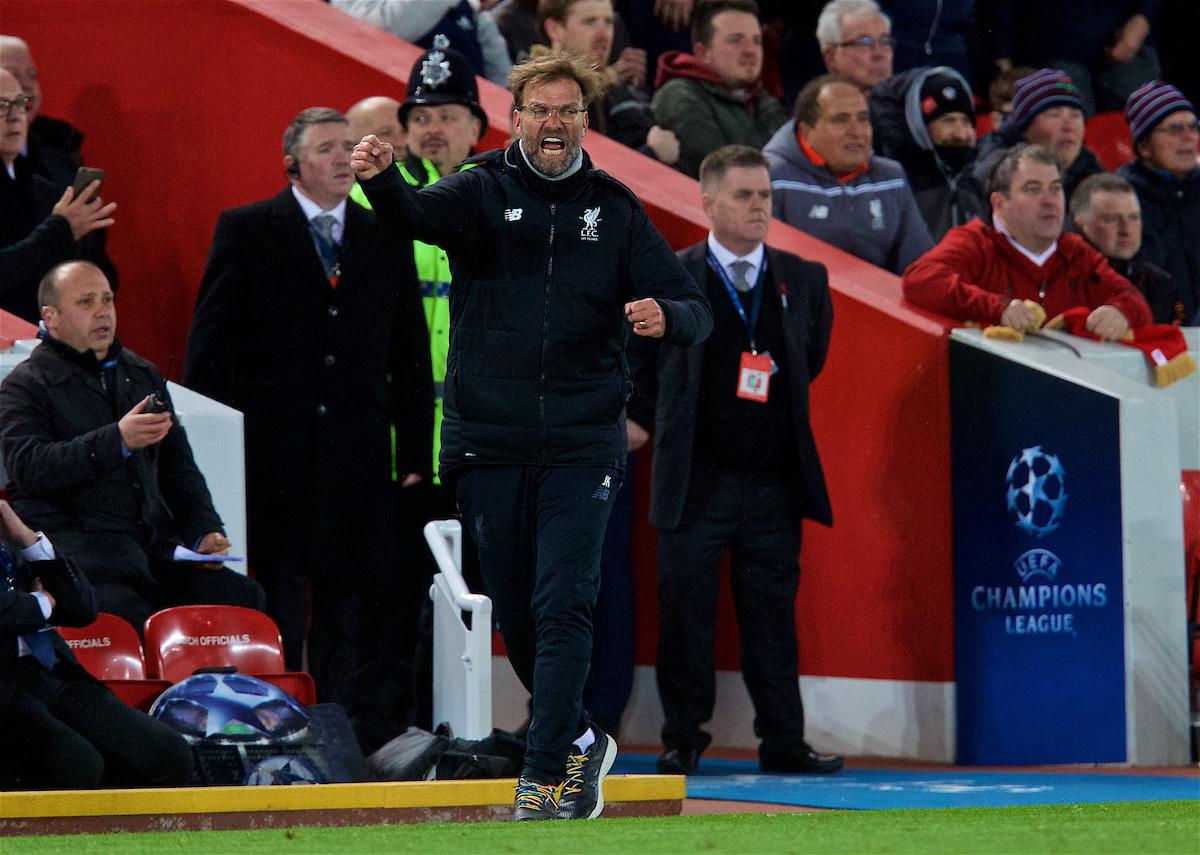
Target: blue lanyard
{"points": [[755, 301]]}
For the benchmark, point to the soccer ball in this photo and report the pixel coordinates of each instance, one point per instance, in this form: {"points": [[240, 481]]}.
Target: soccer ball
{"points": [[230, 708], [283, 770], [1036, 492]]}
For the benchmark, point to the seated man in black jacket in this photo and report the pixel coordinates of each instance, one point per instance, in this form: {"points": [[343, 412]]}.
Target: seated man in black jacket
{"points": [[63, 729], [1106, 211], [115, 485]]}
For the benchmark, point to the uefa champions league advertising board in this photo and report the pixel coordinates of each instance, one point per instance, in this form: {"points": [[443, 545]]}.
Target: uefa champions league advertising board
{"points": [[1039, 629]]}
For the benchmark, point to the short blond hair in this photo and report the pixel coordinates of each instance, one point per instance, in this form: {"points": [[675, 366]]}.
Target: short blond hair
{"points": [[556, 66]]}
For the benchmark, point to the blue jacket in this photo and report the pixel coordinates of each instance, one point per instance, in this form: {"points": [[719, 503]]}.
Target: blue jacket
{"points": [[873, 215]]}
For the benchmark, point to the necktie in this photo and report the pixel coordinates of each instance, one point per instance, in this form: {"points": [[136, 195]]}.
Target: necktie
{"points": [[39, 643], [740, 268], [324, 224]]}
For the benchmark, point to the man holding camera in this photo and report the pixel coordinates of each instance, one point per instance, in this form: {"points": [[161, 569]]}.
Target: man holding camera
{"points": [[96, 459]]}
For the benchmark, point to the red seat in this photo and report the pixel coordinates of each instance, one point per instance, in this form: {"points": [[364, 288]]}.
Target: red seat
{"points": [[110, 651], [108, 648], [182, 639], [1107, 134]]}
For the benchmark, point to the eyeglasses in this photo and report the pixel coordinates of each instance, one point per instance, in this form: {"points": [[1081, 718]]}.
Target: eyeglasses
{"points": [[540, 112], [23, 104], [868, 43], [1174, 129]]}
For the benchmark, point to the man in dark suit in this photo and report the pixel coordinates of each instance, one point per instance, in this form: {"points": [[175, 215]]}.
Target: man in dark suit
{"points": [[62, 729], [735, 467], [112, 482], [309, 321]]}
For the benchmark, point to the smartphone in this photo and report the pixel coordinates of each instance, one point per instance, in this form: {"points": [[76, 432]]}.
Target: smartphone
{"points": [[85, 176]]}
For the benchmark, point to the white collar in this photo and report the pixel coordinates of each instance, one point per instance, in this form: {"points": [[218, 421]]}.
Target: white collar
{"points": [[312, 209], [726, 258], [1039, 260]]}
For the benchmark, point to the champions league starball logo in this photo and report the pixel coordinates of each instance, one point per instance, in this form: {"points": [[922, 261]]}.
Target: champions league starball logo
{"points": [[1036, 491]]}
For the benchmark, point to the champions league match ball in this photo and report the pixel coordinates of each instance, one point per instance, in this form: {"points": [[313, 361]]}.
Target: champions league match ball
{"points": [[230, 708], [283, 770], [1035, 490]]}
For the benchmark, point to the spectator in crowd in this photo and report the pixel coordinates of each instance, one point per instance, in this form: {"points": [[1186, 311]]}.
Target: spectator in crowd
{"points": [[826, 181], [440, 24], [520, 22], [712, 96], [1106, 211], [534, 430], [441, 113], [991, 273], [1046, 111], [925, 119], [1001, 91], [309, 321], [929, 33], [379, 115], [62, 728], [585, 28], [27, 199], [1106, 48], [1166, 176], [96, 459], [736, 468], [24, 263], [856, 42], [52, 147]]}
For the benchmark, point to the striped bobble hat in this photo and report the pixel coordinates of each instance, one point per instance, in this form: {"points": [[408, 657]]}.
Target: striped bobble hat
{"points": [[1150, 104], [1040, 91]]}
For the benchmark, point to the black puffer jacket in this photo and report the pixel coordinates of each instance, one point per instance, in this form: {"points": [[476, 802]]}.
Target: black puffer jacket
{"points": [[541, 271]]}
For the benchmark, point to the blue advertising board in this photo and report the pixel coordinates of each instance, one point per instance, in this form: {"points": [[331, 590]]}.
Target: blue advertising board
{"points": [[1038, 605]]}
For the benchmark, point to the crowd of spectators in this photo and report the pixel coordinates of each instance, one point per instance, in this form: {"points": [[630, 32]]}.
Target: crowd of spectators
{"points": [[869, 119]]}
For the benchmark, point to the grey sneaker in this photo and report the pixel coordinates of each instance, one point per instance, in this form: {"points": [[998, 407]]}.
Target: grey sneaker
{"points": [[583, 791], [536, 801]]}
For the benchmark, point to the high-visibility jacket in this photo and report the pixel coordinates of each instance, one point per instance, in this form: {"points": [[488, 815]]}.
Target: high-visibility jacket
{"points": [[433, 275]]}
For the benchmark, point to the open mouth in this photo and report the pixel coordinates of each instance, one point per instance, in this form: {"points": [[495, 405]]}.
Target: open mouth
{"points": [[553, 146]]}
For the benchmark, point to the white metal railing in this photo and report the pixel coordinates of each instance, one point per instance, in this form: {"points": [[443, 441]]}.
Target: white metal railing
{"points": [[462, 655]]}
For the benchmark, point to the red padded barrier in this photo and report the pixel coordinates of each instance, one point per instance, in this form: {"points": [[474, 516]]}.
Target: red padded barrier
{"points": [[185, 102]]}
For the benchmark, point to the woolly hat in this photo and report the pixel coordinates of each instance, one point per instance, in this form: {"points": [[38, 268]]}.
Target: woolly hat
{"points": [[1039, 92], [943, 93], [1150, 103]]}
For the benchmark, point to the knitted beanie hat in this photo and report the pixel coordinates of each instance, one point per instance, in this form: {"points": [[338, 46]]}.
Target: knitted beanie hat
{"points": [[1039, 92], [1150, 103], [943, 93]]}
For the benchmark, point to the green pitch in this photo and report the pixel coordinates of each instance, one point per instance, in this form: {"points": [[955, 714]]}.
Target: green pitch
{"points": [[1123, 827]]}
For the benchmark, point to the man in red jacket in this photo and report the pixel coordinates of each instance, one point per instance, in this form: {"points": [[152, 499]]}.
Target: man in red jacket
{"points": [[985, 273]]}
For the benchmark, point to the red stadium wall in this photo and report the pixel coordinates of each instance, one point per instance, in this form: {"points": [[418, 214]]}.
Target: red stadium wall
{"points": [[184, 102]]}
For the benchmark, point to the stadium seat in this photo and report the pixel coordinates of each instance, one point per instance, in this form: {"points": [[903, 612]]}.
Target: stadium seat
{"points": [[1107, 134], [110, 651], [182, 639]]}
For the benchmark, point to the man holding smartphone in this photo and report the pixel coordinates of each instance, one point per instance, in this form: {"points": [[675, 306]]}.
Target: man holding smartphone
{"points": [[112, 483], [28, 201]]}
